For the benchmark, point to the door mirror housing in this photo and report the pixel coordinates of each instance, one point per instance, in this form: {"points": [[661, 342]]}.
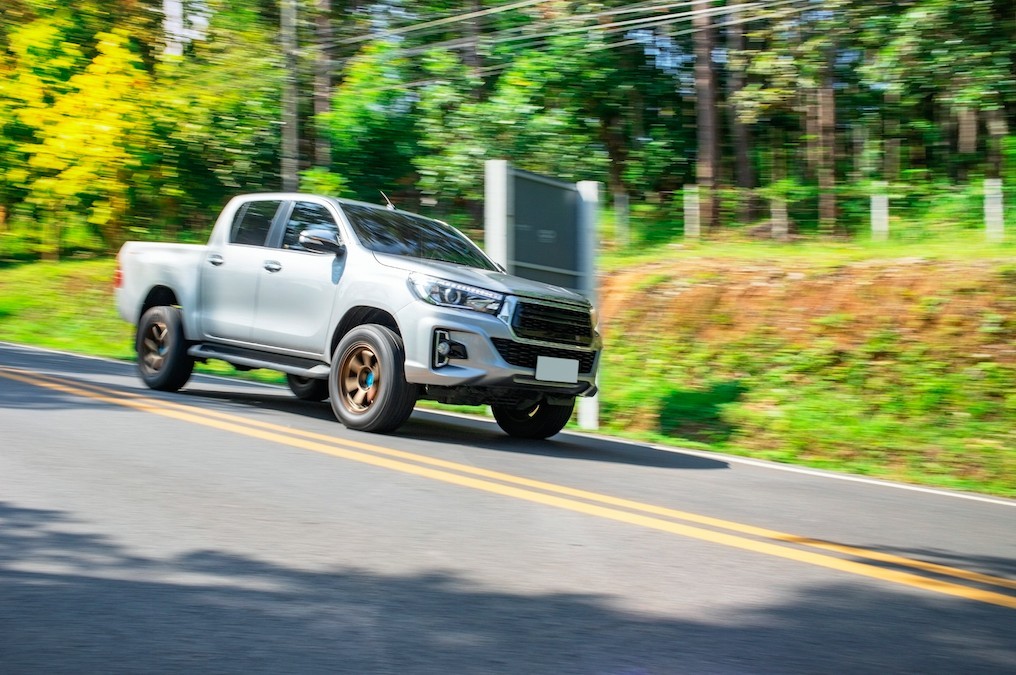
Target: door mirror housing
{"points": [[322, 241]]}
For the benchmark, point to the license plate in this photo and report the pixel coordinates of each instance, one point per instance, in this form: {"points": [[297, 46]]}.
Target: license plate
{"points": [[551, 369]]}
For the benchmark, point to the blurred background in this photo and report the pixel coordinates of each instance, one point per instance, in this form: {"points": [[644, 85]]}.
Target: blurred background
{"points": [[805, 203], [138, 118]]}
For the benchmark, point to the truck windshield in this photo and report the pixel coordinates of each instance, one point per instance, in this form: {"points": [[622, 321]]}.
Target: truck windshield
{"points": [[403, 234]]}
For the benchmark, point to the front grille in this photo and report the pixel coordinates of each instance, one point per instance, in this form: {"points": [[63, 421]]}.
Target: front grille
{"points": [[553, 324], [524, 356]]}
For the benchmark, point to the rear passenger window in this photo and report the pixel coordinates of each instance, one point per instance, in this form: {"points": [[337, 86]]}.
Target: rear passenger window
{"points": [[306, 216], [252, 223]]}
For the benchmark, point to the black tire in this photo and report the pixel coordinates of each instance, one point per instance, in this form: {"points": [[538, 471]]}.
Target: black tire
{"points": [[367, 386], [539, 421], [163, 362], [308, 388]]}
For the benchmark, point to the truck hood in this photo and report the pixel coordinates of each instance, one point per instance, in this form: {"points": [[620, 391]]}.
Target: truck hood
{"points": [[489, 279]]}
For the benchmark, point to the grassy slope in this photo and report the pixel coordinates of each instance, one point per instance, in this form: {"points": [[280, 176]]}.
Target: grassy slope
{"points": [[861, 360], [67, 306]]}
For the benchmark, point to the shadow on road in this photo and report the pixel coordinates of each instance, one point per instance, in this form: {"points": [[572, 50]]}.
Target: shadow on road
{"points": [[428, 426], [481, 433], [73, 601], [436, 427]]}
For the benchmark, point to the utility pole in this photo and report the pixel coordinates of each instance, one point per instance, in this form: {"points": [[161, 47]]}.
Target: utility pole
{"points": [[707, 165], [322, 82], [290, 132]]}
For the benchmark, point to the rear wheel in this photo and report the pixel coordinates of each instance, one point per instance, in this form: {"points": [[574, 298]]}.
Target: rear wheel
{"points": [[163, 362], [542, 420], [308, 388], [368, 387]]}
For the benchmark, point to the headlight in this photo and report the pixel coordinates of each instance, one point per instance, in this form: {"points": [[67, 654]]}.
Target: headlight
{"points": [[451, 294]]}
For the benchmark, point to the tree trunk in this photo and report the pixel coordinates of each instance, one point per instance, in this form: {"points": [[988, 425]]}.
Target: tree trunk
{"points": [[290, 131], [812, 135], [827, 151], [891, 132], [966, 140], [471, 28], [997, 131], [706, 168], [744, 172], [322, 82]]}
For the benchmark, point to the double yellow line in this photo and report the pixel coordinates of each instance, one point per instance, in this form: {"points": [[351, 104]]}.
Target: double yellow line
{"points": [[863, 562]]}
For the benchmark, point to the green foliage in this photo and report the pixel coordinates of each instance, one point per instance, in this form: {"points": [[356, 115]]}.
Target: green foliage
{"points": [[215, 113], [527, 119], [371, 126], [106, 137], [324, 182]]}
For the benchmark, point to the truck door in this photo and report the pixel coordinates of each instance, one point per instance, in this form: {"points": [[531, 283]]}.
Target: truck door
{"points": [[230, 273], [297, 288]]}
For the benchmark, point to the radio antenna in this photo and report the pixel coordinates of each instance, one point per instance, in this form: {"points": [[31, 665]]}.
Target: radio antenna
{"points": [[391, 207]]}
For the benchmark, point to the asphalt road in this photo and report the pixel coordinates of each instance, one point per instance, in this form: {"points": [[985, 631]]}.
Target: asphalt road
{"points": [[231, 528]]}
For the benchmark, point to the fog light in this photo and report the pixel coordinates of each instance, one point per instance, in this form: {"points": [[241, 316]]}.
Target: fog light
{"points": [[442, 348], [446, 349]]}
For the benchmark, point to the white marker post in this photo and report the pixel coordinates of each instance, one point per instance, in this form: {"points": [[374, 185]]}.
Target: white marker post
{"points": [[780, 230], [993, 222], [880, 211], [692, 227]]}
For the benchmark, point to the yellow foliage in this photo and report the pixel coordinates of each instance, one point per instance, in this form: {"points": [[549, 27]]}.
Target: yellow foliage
{"points": [[82, 125]]}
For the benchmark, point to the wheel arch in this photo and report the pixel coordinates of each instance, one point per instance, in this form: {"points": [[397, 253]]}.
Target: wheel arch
{"points": [[159, 295], [358, 316]]}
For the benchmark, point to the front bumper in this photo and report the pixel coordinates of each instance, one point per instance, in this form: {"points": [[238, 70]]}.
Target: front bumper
{"points": [[496, 358]]}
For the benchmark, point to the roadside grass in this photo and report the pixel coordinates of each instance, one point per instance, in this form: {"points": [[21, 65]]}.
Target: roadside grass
{"points": [[66, 306], [819, 253], [899, 366], [69, 306], [933, 403]]}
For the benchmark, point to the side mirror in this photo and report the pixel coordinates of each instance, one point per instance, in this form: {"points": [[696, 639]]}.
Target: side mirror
{"points": [[322, 241]]}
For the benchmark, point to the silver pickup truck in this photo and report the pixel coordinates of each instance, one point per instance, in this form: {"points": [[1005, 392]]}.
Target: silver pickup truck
{"points": [[370, 307]]}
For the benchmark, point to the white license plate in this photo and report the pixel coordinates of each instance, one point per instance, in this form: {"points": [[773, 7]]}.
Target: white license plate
{"points": [[551, 369]]}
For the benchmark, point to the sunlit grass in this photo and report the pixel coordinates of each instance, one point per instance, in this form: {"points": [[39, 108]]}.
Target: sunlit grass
{"points": [[66, 306], [959, 245]]}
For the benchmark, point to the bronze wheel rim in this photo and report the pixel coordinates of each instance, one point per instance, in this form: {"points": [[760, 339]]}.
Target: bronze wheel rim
{"points": [[359, 378], [154, 346]]}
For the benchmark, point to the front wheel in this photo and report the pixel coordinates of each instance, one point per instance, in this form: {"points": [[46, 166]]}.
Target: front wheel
{"points": [[367, 386], [163, 362], [539, 421], [308, 388]]}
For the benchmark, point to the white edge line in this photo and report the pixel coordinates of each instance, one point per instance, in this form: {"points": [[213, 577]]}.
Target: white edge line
{"points": [[734, 459]]}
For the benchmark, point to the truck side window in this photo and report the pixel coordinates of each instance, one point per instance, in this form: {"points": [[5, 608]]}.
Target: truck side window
{"points": [[252, 223], [306, 216]]}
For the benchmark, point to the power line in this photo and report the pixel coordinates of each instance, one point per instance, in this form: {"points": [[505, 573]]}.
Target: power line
{"points": [[427, 26], [671, 19], [785, 12], [440, 22], [622, 26], [634, 24]]}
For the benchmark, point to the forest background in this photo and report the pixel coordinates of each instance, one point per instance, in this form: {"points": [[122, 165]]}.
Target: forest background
{"points": [[138, 119]]}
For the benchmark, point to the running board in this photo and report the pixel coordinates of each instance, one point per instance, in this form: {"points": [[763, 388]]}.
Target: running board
{"points": [[253, 359]]}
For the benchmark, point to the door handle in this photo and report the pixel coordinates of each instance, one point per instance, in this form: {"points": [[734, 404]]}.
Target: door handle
{"points": [[273, 265], [216, 259]]}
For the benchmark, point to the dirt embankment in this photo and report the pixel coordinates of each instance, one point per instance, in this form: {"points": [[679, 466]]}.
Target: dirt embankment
{"points": [[966, 309]]}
